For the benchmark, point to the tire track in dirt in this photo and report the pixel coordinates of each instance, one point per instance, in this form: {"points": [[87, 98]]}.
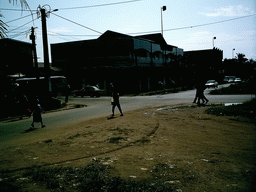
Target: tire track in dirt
{"points": [[132, 143]]}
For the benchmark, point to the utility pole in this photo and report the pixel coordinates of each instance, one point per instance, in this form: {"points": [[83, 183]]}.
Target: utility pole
{"points": [[46, 50], [32, 38]]}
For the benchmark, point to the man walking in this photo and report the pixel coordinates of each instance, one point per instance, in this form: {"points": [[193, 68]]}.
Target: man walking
{"points": [[115, 100]]}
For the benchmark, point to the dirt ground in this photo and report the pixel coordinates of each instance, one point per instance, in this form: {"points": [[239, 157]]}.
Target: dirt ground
{"points": [[204, 152]]}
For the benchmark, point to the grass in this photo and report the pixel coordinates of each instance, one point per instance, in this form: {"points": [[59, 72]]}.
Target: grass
{"points": [[93, 177], [247, 109]]}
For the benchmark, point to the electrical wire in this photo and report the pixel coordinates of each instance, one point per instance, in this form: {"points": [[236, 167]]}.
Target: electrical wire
{"points": [[100, 5], [19, 34], [146, 32], [194, 26], [5, 9], [81, 7], [76, 23], [19, 18], [22, 25]]}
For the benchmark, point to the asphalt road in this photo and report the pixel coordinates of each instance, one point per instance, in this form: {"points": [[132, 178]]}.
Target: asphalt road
{"points": [[99, 107]]}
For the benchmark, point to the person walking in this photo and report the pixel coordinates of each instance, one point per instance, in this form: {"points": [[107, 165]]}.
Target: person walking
{"points": [[37, 116], [23, 106], [115, 101], [67, 92], [200, 94]]}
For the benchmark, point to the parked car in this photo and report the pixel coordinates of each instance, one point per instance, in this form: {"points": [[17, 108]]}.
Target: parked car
{"points": [[88, 91], [229, 79], [211, 83], [237, 80]]}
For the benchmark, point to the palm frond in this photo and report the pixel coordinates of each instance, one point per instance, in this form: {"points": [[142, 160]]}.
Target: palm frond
{"points": [[3, 25], [3, 28]]}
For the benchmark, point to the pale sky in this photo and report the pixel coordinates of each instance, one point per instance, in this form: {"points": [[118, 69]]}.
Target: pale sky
{"points": [[188, 24]]}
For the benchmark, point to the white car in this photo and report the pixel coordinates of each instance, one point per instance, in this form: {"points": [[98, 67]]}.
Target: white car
{"points": [[211, 83], [237, 80]]}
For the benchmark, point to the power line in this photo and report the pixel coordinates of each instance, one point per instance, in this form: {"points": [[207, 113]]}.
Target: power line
{"points": [[77, 23], [58, 34], [100, 5], [22, 25], [81, 7], [5, 9], [19, 18], [194, 26], [180, 28], [19, 34]]}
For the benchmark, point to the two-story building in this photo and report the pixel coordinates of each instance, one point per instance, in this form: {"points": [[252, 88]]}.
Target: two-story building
{"points": [[136, 63]]}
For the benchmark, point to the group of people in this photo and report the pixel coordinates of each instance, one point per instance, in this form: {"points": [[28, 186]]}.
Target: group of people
{"points": [[200, 98], [200, 94], [37, 117]]}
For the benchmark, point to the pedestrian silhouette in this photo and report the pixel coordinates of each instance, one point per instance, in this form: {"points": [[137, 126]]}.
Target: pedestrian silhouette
{"points": [[37, 116], [67, 92], [115, 100], [23, 106], [200, 94]]}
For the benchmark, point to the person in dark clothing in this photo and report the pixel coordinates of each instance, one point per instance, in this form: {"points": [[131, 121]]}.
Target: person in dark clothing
{"points": [[23, 106], [200, 95], [115, 101], [37, 117], [67, 92]]}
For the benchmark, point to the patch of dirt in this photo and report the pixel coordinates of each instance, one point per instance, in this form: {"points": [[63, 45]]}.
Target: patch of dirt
{"points": [[202, 152]]}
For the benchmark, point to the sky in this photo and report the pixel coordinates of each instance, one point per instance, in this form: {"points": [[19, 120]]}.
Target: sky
{"points": [[187, 24]]}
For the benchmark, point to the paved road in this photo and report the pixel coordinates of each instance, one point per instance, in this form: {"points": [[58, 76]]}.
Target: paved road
{"points": [[98, 107]]}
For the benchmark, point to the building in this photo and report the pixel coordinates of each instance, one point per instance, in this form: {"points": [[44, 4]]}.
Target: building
{"points": [[205, 64], [16, 56], [138, 63]]}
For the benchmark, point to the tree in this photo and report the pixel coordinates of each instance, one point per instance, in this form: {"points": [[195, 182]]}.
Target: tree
{"points": [[241, 58], [239, 67], [3, 25]]}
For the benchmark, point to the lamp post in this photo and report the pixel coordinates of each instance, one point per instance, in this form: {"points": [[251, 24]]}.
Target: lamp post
{"points": [[233, 53], [162, 9], [213, 41]]}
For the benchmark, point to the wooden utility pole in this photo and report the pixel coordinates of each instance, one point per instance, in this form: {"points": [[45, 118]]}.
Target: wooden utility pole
{"points": [[32, 38], [46, 50]]}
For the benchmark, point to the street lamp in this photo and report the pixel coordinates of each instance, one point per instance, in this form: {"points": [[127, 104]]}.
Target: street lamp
{"points": [[162, 9], [213, 41], [233, 53]]}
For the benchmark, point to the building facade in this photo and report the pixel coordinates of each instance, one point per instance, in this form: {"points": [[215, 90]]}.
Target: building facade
{"points": [[138, 63], [16, 56]]}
